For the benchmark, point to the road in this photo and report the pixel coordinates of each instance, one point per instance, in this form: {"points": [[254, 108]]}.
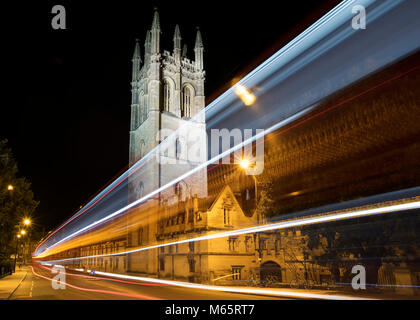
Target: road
{"points": [[82, 287]]}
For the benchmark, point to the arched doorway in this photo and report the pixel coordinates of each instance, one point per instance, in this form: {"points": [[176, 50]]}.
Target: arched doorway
{"points": [[270, 272]]}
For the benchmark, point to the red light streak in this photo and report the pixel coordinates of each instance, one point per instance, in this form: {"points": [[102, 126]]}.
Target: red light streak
{"points": [[116, 293]]}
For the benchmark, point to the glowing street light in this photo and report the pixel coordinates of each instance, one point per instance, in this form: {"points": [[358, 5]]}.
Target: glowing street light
{"points": [[18, 235], [244, 163], [10, 187], [23, 232], [27, 222], [244, 94]]}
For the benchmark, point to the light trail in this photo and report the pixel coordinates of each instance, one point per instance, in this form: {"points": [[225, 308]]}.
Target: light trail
{"points": [[185, 175], [102, 278], [302, 38], [274, 226], [227, 152], [115, 293], [317, 33], [271, 292]]}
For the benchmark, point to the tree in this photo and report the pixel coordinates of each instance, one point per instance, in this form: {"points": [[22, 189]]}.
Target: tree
{"points": [[14, 204], [266, 204], [367, 241]]}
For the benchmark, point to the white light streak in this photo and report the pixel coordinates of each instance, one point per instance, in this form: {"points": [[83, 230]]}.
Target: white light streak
{"points": [[271, 292], [202, 166], [273, 226]]}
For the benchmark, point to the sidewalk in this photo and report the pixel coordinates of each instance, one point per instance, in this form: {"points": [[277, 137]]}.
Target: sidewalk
{"points": [[10, 283]]}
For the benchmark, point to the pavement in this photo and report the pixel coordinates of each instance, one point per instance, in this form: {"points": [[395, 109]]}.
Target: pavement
{"points": [[9, 284]]}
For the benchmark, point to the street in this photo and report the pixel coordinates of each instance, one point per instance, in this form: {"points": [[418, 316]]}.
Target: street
{"points": [[81, 287]]}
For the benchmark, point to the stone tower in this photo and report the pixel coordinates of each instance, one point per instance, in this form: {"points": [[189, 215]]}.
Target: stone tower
{"points": [[167, 94]]}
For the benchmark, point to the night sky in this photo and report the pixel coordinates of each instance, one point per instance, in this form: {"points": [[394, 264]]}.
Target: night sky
{"points": [[66, 94]]}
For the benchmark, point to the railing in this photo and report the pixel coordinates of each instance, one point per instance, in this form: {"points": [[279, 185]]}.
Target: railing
{"points": [[5, 269]]}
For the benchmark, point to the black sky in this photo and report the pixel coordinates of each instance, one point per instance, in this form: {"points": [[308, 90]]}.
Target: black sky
{"points": [[66, 102]]}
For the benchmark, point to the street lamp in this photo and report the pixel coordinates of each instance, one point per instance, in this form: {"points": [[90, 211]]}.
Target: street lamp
{"points": [[16, 252], [21, 232], [27, 222], [10, 187], [245, 163]]}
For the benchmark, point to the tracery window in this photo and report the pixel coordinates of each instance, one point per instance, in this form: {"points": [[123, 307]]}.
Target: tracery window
{"points": [[166, 95], [186, 102]]}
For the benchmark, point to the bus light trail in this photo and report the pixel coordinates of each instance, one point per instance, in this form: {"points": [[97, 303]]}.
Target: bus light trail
{"points": [[274, 226], [115, 293]]}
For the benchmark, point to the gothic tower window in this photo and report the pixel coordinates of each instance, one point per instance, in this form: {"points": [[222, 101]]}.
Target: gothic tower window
{"points": [[186, 102], [142, 148], [177, 148], [140, 190], [135, 117], [142, 107], [166, 95]]}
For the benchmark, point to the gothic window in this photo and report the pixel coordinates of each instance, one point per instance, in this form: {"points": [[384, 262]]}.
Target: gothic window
{"points": [[177, 148], [186, 102], [142, 148], [237, 272], [233, 243], [140, 190], [191, 263], [142, 108], [248, 243], [135, 118], [166, 95], [226, 216]]}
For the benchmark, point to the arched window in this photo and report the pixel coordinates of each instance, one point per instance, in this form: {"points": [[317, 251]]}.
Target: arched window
{"points": [[135, 117], [166, 95], [142, 108], [142, 148], [140, 190], [178, 148], [186, 102]]}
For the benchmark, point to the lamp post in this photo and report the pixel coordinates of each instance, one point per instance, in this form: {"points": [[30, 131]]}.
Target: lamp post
{"points": [[16, 252], [21, 232], [246, 164], [257, 237], [27, 223]]}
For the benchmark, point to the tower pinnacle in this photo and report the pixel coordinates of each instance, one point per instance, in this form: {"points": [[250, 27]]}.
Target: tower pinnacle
{"points": [[155, 33], [156, 22], [198, 40], [198, 50]]}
